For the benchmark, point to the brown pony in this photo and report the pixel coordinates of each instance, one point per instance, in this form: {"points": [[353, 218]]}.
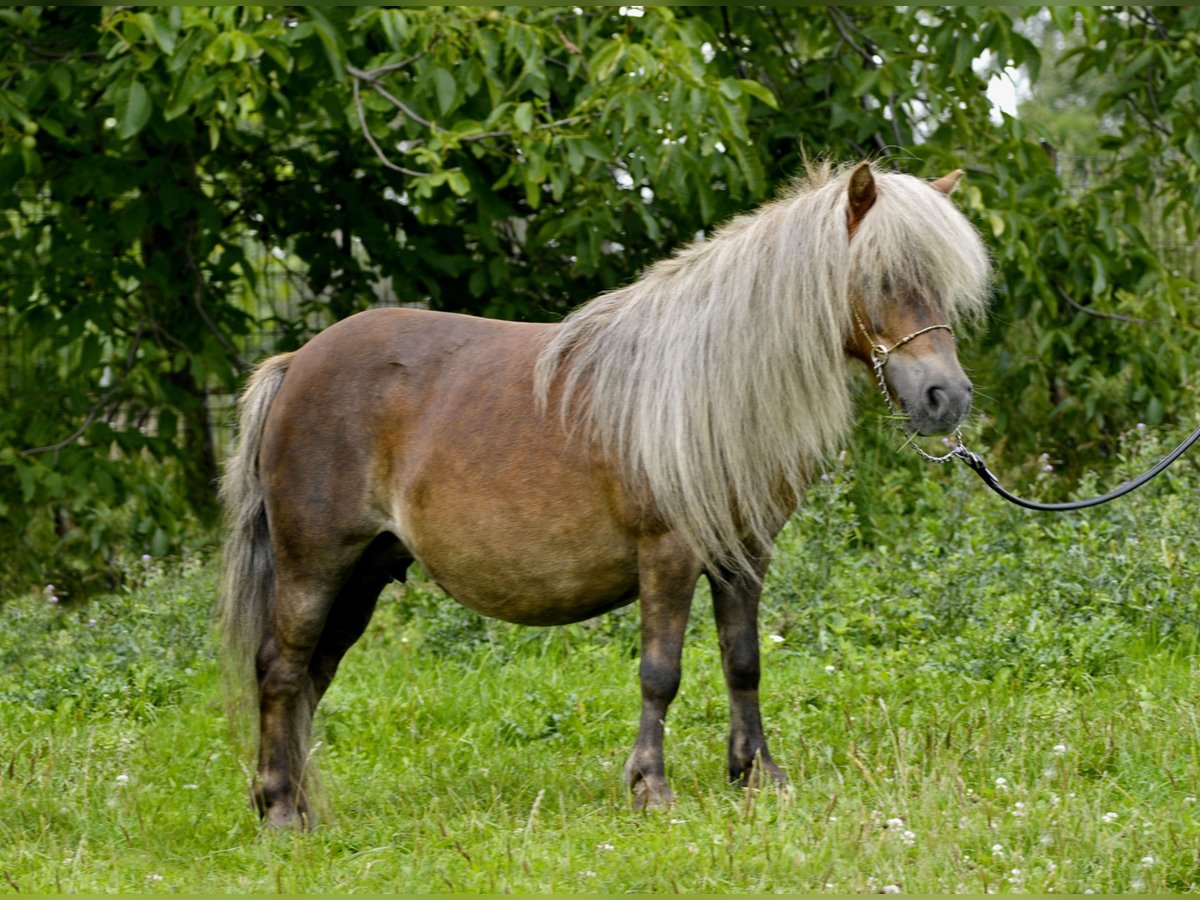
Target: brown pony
{"points": [[544, 474]]}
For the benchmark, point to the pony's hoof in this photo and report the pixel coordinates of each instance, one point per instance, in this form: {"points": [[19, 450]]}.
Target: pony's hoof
{"points": [[758, 773], [651, 794], [279, 814], [284, 817]]}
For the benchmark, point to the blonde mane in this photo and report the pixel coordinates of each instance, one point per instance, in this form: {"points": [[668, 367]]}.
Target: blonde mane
{"points": [[720, 379]]}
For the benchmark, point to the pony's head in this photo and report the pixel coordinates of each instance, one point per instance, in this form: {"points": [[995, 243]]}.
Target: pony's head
{"points": [[917, 266]]}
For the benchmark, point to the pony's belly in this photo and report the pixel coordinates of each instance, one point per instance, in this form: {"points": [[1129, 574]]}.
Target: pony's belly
{"points": [[523, 563], [540, 609], [533, 592]]}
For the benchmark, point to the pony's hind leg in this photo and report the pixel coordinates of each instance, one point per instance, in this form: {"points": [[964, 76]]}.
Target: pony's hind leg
{"points": [[317, 618], [287, 698], [385, 560], [735, 607]]}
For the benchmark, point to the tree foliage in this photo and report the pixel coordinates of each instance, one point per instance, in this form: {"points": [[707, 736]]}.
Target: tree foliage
{"points": [[186, 188]]}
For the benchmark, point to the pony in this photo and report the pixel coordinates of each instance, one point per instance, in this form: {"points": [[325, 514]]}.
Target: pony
{"points": [[547, 473]]}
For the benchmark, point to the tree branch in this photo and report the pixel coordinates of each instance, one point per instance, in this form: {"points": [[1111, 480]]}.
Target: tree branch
{"points": [[369, 78], [198, 293], [78, 433], [361, 76], [729, 42], [362, 121], [843, 24], [840, 22], [1116, 317], [99, 405]]}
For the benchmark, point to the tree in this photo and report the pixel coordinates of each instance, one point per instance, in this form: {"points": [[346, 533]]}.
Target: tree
{"points": [[167, 174]]}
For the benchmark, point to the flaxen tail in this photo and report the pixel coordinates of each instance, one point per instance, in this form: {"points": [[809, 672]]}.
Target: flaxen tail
{"points": [[248, 576]]}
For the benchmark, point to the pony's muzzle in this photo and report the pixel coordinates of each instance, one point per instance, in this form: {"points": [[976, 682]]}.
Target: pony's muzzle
{"points": [[942, 409], [935, 394]]}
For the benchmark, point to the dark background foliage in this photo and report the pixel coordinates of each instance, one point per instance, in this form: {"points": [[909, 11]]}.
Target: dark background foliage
{"points": [[186, 189]]}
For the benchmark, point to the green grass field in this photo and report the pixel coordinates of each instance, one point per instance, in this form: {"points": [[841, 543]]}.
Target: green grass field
{"points": [[967, 698]]}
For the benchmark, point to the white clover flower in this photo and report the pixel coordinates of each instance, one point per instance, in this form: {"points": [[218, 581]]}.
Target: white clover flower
{"points": [[831, 669], [1148, 859], [1059, 749], [891, 889], [1001, 782], [894, 823], [909, 838], [605, 846], [1108, 818], [122, 780], [775, 638]]}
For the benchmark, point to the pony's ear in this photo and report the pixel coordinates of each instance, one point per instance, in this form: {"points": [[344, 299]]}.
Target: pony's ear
{"points": [[862, 194], [946, 183]]}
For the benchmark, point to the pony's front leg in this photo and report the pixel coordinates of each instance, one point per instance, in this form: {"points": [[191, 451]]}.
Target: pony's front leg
{"points": [[667, 575], [735, 606]]}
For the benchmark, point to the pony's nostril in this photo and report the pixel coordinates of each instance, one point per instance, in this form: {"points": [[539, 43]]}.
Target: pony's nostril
{"points": [[938, 399]]}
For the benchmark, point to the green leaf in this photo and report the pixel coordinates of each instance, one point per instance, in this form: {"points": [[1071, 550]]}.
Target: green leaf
{"points": [[445, 88], [523, 117], [865, 82], [458, 182], [60, 77], [330, 40], [1099, 276], [1064, 17], [761, 91], [133, 110], [606, 60], [159, 31]]}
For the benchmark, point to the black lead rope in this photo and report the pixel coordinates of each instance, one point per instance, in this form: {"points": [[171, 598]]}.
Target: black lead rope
{"points": [[976, 463], [880, 354]]}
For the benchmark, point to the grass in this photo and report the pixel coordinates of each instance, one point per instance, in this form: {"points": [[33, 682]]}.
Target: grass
{"points": [[970, 699]]}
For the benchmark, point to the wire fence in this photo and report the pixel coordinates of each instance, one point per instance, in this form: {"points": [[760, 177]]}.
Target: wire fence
{"points": [[1164, 232]]}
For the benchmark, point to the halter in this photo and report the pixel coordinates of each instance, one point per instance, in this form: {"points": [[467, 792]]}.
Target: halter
{"points": [[880, 354]]}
